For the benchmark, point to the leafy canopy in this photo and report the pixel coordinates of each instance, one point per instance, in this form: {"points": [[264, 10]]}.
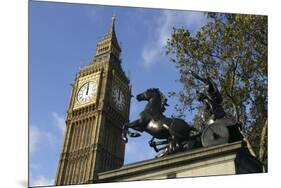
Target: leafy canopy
{"points": [[232, 50]]}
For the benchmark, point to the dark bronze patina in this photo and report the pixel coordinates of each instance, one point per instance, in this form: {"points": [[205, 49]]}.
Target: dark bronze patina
{"points": [[174, 134], [211, 98]]}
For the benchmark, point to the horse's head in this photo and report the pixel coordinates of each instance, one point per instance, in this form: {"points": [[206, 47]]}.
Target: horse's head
{"points": [[148, 94], [153, 93]]}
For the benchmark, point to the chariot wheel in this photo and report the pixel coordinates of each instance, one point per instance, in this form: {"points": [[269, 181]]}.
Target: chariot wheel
{"points": [[214, 134]]}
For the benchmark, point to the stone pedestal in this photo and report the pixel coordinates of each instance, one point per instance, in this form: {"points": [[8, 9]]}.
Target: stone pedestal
{"points": [[226, 159]]}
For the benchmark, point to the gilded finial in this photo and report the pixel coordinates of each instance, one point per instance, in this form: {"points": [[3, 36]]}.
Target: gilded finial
{"points": [[113, 17]]}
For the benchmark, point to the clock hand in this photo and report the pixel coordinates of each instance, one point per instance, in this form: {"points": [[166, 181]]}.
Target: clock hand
{"points": [[87, 89]]}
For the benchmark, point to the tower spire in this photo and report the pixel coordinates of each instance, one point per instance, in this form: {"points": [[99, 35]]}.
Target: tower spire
{"points": [[109, 42], [112, 28], [111, 33]]}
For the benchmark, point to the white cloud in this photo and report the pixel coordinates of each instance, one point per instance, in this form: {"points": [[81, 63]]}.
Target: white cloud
{"points": [[34, 167], [149, 55], [59, 121], [38, 136], [34, 139], [52, 140], [153, 50], [47, 140], [41, 181]]}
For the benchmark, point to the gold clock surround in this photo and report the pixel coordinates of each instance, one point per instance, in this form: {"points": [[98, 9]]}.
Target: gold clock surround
{"points": [[81, 82]]}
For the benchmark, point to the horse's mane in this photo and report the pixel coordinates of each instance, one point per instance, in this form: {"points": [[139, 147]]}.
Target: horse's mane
{"points": [[163, 99]]}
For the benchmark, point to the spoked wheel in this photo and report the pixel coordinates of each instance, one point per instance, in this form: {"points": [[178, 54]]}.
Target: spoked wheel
{"points": [[214, 134]]}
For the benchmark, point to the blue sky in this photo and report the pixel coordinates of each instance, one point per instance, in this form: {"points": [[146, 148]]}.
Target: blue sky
{"points": [[62, 39]]}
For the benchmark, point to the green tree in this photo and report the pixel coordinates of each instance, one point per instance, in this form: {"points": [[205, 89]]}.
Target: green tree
{"points": [[232, 50]]}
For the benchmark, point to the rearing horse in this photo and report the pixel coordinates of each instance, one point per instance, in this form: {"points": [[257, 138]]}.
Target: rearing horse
{"points": [[171, 131]]}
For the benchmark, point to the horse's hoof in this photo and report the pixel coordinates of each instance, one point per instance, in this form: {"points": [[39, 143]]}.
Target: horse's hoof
{"points": [[125, 139], [134, 134]]}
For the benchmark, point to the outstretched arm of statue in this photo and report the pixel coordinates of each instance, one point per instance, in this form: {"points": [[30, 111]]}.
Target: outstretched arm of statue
{"points": [[208, 81]]}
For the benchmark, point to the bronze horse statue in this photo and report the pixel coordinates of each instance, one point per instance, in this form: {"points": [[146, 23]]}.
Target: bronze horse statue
{"points": [[173, 132]]}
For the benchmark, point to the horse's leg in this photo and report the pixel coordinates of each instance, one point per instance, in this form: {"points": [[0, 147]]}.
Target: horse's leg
{"points": [[154, 144], [170, 145], [160, 142], [174, 144], [151, 142], [124, 133], [163, 147], [136, 125]]}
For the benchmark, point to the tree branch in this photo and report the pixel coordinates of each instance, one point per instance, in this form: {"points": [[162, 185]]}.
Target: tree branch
{"points": [[263, 141]]}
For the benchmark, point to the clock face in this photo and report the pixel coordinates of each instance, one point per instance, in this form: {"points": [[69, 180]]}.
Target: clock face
{"points": [[87, 92], [118, 97]]}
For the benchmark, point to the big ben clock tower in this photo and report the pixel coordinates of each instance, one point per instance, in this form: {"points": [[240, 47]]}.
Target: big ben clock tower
{"points": [[98, 108]]}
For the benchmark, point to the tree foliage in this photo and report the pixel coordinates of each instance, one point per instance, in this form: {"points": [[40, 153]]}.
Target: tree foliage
{"points": [[232, 50]]}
